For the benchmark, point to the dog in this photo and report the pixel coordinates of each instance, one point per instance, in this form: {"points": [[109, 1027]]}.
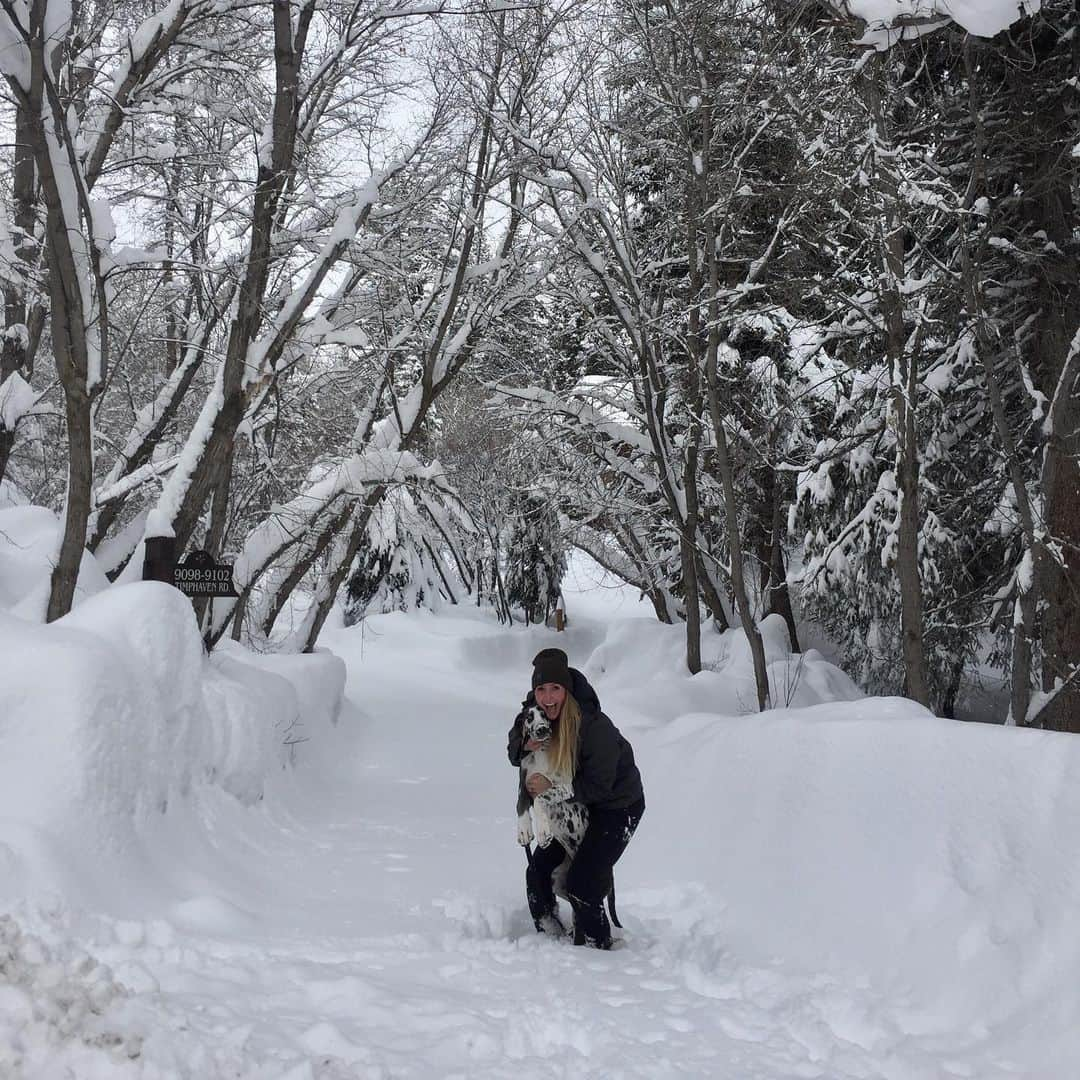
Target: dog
{"points": [[555, 814]]}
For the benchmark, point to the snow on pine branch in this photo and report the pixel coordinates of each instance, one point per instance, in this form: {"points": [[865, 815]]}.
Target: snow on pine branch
{"points": [[588, 416], [354, 477], [17, 399], [890, 21]]}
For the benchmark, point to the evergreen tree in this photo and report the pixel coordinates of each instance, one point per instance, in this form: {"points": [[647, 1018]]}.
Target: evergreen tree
{"points": [[535, 558]]}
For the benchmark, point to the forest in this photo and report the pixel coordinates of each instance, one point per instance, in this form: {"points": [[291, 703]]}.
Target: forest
{"points": [[770, 309]]}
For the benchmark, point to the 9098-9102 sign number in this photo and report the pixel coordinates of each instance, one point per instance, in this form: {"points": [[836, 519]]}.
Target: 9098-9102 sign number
{"points": [[218, 573]]}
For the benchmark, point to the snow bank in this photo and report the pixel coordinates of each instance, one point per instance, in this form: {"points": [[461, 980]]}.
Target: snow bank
{"points": [[643, 663], [113, 714], [29, 544], [935, 858]]}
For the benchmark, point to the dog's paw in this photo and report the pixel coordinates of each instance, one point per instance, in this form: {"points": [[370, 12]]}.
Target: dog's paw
{"points": [[524, 833]]}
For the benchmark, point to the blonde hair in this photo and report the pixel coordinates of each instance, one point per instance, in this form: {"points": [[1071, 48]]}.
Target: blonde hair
{"points": [[564, 743]]}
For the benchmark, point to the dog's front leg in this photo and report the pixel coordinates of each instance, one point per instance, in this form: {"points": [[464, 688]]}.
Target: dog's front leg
{"points": [[542, 818], [524, 822]]}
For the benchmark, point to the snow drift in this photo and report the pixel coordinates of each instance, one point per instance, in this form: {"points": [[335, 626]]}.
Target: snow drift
{"points": [[113, 714], [939, 860], [29, 541]]}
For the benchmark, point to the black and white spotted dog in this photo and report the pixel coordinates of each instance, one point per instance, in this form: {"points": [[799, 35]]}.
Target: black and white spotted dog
{"points": [[555, 814]]}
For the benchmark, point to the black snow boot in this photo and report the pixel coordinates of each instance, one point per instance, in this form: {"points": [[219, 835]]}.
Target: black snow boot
{"points": [[550, 924]]}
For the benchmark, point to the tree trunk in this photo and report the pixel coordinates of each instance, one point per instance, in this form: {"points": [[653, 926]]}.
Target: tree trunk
{"points": [[214, 541], [903, 372], [708, 344], [1061, 581], [952, 691], [17, 350], [72, 352], [1056, 353], [711, 595], [777, 594], [916, 683], [688, 556], [272, 182], [1025, 606], [300, 568], [77, 508], [738, 579]]}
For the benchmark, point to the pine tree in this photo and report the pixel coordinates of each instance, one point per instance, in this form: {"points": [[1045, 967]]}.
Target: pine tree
{"points": [[535, 558]]}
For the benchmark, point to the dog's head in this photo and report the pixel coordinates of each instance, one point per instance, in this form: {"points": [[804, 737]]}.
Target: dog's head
{"points": [[537, 726]]}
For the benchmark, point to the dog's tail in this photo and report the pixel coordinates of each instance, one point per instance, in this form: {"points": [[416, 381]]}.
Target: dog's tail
{"points": [[611, 905]]}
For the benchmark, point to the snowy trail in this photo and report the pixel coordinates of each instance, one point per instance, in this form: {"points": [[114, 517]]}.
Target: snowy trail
{"points": [[390, 939], [367, 919], [370, 922]]}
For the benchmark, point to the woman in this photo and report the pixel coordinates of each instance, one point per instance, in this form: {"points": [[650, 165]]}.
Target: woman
{"points": [[606, 780]]}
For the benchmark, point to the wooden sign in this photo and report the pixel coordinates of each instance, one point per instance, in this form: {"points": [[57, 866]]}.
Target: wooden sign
{"points": [[196, 574]]}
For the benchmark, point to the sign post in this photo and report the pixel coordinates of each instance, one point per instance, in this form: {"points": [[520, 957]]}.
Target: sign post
{"points": [[159, 559]]}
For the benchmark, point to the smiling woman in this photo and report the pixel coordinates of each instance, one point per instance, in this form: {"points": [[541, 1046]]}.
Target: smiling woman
{"points": [[585, 745]]}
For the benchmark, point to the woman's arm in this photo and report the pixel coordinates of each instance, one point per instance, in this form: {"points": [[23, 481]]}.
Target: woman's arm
{"points": [[598, 761], [514, 748]]}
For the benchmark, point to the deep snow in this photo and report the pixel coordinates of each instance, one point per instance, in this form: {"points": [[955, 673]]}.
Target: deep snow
{"points": [[847, 889]]}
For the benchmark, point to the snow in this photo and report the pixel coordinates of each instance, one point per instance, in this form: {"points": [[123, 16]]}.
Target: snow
{"points": [[29, 538], [139, 717], [348, 220], [151, 28], [984, 18], [160, 520], [14, 54], [17, 398], [10, 495], [117, 550], [202, 875]]}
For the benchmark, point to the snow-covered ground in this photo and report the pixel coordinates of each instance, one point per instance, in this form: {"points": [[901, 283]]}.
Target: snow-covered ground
{"points": [[204, 874]]}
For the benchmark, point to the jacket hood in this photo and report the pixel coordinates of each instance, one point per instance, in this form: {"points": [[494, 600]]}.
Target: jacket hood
{"points": [[584, 694]]}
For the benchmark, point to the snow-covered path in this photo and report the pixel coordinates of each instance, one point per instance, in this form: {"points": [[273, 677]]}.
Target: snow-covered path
{"points": [[367, 920], [383, 933], [371, 923]]}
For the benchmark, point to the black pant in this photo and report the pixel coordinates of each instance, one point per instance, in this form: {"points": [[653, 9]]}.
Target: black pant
{"points": [[589, 878]]}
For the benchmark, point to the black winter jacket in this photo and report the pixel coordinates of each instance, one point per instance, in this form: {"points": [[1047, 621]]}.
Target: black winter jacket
{"points": [[607, 777]]}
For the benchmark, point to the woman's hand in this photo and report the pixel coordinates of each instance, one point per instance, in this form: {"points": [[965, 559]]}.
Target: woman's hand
{"points": [[536, 783], [536, 744]]}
